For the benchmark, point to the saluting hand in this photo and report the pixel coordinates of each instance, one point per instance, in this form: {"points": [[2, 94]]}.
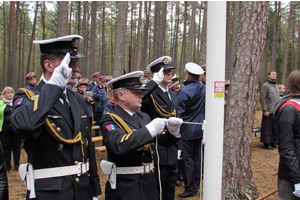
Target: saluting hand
{"points": [[62, 73], [158, 77]]}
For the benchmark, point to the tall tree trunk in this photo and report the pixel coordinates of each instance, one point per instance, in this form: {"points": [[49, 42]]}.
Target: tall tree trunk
{"points": [[162, 37], [287, 42], [78, 18], [232, 52], [183, 49], [103, 55], [82, 47], [92, 65], [121, 39], [203, 36], [191, 33], [298, 47], [44, 20], [174, 62], [241, 102], [145, 34], [228, 30], [13, 63], [32, 36], [137, 43], [157, 30], [275, 35], [199, 34], [4, 75], [63, 7]]}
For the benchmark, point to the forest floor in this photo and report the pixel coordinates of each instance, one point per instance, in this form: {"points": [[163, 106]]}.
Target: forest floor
{"points": [[264, 165]]}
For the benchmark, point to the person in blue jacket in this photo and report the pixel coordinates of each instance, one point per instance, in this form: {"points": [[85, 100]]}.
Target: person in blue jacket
{"points": [[89, 101], [99, 94], [191, 100]]}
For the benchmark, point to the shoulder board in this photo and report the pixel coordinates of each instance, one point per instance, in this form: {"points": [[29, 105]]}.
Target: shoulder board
{"points": [[293, 103]]}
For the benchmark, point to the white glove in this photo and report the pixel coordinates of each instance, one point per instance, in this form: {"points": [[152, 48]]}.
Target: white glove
{"points": [[95, 198], [156, 126], [178, 155], [158, 77], [62, 73], [297, 190], [173, 126]]}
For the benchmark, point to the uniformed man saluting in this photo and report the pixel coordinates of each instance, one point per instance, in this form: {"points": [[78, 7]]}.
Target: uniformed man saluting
{"points": [[128, 136], [55, 124]]}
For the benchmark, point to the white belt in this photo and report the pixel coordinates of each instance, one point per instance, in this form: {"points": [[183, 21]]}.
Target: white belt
{"points": [[28, 175], [145, 169]]}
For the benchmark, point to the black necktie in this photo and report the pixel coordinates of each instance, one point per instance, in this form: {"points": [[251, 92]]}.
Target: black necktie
{"points": [[167, 93], [66, 105]]}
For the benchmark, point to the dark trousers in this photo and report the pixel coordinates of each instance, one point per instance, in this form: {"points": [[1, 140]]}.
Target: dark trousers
{"points": [[268, 130], [11, 141], [168, 177], [192, 162], [98, 117]]}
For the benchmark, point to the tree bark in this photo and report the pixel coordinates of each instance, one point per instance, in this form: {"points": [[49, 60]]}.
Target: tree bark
{"points": [[298, 47], [92, 64], [203, 36], [192, 33], [63, 7], [103, 55], [137, 43], [13, 64], [241, 102], [157, 30], [145, 34], [287, 42], [121, 39], [275, 35], [183, 49]]}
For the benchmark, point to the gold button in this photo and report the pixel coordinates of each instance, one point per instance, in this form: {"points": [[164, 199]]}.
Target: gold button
{"points": [[77, 180], [143, 163], [74, 146], [76, 162], [143, 154], [86, 128], [89, 175], [58, 129]]}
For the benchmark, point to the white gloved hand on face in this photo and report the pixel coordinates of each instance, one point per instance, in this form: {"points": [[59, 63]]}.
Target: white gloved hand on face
{"points": [[62, 73], [297, 190], [173, 126], [158, 77], [156, 126]]}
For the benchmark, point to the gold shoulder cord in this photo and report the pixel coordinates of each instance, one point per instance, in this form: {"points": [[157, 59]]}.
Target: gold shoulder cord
{"points": [[120, 122], [161, 111], [52, 131]]}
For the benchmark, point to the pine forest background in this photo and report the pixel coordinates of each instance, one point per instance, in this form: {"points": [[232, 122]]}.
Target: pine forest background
{"points": [[152, 29]]}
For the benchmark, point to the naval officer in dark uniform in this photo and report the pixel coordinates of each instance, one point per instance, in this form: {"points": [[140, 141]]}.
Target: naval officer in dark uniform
{"points": [[55, 124], [159, 101], [128, 136]]}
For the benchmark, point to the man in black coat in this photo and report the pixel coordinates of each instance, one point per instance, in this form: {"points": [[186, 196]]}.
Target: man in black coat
{"points": [[55, 124], [128, 136], [162, 102], [30, 78]]}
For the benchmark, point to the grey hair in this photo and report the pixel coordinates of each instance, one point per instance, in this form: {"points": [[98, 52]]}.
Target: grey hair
{"points": [[115, 92]]}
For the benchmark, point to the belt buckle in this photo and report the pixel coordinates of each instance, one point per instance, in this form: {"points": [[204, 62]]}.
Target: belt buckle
{"points": [[82, 170], [147, 168]]}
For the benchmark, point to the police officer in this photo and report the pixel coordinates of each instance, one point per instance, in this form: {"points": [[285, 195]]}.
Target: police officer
{"points": [[191, 99], [128, 136], [30, 78], [55, 125], [159, 101]]}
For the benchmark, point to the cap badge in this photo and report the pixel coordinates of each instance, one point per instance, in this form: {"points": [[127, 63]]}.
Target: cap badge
{"points": [[166, 61], [141, 79]]}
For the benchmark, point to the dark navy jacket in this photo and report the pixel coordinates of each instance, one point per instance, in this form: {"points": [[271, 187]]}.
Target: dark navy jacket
{"points": [[88, 105], [191, 100], [91, 85], [99, 95]]}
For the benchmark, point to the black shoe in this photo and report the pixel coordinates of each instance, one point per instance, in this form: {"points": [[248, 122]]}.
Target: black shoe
{"points": [[178, 183], [267, 146], [273, 145], [187, 194], [16, 167]]}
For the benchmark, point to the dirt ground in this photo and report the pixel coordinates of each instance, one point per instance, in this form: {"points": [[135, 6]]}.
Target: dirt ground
{"points": [[264, 165]]}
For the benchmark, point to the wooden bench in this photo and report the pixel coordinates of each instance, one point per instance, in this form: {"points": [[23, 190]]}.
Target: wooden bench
{"points": [[96, 139]]}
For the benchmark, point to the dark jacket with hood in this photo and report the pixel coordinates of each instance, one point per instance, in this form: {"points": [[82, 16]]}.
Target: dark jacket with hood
{"points": [[287, 115]]}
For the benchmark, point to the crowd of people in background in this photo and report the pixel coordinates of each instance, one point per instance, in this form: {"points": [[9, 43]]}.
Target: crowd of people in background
{"points": [[142, 124]]}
